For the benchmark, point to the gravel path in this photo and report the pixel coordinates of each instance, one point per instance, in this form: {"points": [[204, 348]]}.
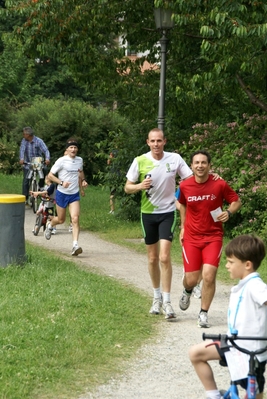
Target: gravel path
{"points": [[161, 368]]}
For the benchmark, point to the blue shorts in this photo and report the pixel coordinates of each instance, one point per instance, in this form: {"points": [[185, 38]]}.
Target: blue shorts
{"points": [[63, 200]]}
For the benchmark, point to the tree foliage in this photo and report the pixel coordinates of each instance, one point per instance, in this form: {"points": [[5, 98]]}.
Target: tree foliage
{"points": [[57, 120], [232, 39], [216, 64]]}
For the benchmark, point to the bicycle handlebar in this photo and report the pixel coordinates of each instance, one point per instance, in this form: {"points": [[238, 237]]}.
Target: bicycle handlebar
{"points": [[30, 163], [218, 337], [44, 199], [223, 338]]}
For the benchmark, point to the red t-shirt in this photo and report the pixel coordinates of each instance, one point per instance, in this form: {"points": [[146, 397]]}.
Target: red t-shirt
{"points": [[200, 199]]}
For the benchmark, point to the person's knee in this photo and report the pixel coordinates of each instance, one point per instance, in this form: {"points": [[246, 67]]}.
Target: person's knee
{"points": [[209, 276], [153, 260], [190, 280], [165, 259], [193, 353], [75, 219], [60, 219], [201, 353]]}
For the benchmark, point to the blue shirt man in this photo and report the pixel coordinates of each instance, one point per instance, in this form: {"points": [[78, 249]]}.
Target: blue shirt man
{"points": [[30, 147]]}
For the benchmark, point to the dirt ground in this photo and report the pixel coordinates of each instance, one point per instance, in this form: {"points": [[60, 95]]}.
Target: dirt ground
{"points": [[161, 368]]}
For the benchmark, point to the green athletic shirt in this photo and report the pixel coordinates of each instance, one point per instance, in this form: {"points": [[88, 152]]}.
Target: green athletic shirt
{"points": [[160, 198]]}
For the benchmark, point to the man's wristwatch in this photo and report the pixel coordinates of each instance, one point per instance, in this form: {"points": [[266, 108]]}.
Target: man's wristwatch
{"points": [[61, 183], [229, 213]]}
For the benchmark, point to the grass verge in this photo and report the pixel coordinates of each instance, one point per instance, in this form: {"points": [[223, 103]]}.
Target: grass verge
{"points": [[64, 329]]}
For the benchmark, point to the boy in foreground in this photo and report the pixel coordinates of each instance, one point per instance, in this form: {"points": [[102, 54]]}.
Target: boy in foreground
{"points": [[247, 316]]}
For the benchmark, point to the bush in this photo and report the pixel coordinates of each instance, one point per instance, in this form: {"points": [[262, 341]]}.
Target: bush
{"points": [[55, 121], [8, 156], [128, 144]]}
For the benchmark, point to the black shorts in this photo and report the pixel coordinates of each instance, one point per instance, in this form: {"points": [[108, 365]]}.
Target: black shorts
{"points": [[158, 226], [259, 371]]}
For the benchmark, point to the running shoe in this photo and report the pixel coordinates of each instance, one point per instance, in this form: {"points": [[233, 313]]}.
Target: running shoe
{"points": [[202, 321], [76, 251], [167, 309], [197, 291], [156, 306], [48, 231], [184, 302], [54, 231], [70, 228], [221, 393]]}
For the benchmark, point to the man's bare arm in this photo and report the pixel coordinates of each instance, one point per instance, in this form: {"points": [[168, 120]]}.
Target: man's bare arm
{"points": [[182, 217], [132, 188]]}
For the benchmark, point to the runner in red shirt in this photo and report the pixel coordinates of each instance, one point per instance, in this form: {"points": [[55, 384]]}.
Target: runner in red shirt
{"points": [[202, 217]]}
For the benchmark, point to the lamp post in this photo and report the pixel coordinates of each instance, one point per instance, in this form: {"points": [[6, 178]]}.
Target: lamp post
{"points": [[163, 19]]}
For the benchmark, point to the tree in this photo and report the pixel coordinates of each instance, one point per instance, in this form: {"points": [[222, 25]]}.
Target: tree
{"points": [[23, 77], [216, 59], [231, 39], [84, 36]]}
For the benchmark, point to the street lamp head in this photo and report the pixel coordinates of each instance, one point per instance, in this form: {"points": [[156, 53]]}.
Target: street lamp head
{"points": [[163, 18]]}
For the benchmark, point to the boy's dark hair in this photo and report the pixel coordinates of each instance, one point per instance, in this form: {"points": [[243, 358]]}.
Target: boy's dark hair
{"points": [[247, 247], [203, 152]]}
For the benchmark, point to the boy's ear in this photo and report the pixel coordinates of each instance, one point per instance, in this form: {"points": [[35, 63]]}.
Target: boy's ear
{"points": [[249, 266]]}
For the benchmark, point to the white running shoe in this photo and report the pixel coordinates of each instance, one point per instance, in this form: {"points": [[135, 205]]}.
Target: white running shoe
{"points": [[70, 228], [222, 392], [184, 302], [197, 291], [48, 231], [156, 306], [54, 231], [76, 251], [202, 321], [167, 309]]}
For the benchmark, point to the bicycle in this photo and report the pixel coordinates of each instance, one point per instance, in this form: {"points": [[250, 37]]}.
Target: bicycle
{"points": [[227, 341], [34, 175], [43, 217]]}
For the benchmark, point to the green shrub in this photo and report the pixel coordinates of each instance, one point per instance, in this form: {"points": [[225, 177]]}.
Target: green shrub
{"points": [[128, 145], [55, 121], [8, 156]]}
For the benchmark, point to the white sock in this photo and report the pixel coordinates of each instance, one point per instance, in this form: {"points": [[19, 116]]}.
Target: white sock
{"points": [[215, 394], [75, 243], [157, 293], [166, 297]]}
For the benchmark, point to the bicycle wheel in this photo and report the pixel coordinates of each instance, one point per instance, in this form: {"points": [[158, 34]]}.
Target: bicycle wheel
{"points": [[34, 199], [38, 224]]}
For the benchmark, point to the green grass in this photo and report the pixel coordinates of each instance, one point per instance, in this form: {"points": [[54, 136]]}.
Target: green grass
{"points": [[64, 329]]}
